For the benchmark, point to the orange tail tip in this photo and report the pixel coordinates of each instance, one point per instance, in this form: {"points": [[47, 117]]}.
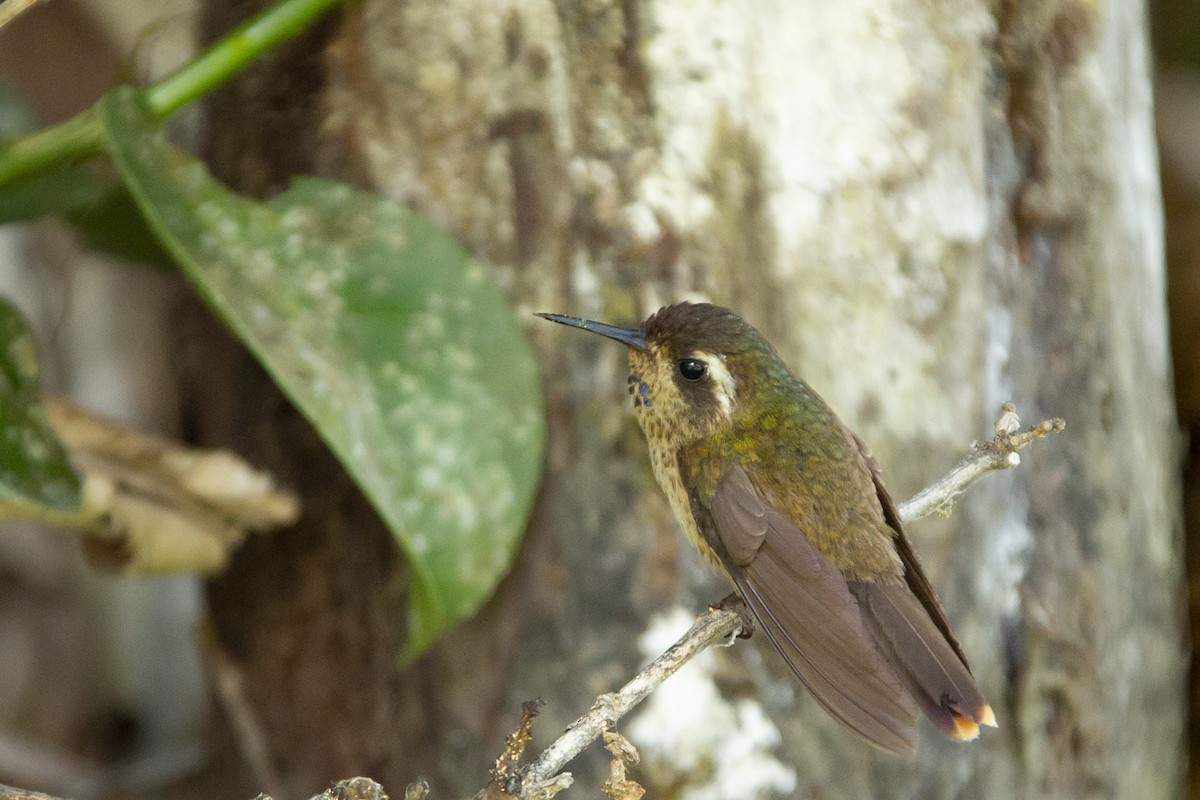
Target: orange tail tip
{"points": [[965, 729], [988, 717]]}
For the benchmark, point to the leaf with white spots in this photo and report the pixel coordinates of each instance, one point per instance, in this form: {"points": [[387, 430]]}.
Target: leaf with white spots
{"points": [[400, 350], [36, 479]]}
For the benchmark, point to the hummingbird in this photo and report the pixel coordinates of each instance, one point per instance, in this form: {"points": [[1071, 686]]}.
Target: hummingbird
{"points": [[779, 494]]}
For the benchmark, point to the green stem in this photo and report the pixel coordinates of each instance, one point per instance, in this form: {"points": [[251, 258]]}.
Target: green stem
{"points": [[79, 136], [82, 135], [232, 53]]}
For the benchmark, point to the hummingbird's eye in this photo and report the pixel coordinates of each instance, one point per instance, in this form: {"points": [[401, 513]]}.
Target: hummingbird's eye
{"points": [[692, 369]]}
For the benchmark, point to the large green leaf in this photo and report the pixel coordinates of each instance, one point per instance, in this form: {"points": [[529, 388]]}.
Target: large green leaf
{"points": [[399, 349], [35, 478]]}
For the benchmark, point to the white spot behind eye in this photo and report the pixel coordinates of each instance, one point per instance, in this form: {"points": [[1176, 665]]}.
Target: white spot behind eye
{"points": [[724, 384]]}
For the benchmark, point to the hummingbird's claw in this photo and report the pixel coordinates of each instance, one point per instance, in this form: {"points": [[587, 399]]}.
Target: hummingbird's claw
{"points": [[736, 604]]}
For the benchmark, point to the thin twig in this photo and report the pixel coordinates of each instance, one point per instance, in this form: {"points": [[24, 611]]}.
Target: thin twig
{"points": [[11, 9], [83, 135], [251, 738], [712, 627], [13, 793], [1000, 452], [717, 625]]}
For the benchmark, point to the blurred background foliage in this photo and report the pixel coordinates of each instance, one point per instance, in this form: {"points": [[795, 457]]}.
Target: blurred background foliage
{"points": [[401, 352], [399, 349]]}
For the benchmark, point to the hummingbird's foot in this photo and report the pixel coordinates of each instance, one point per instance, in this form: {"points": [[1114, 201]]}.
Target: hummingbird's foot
{"points": [[736, 604]]}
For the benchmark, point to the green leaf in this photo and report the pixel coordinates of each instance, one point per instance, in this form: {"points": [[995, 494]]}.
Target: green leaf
{"points": [[95, 201], [36, 479], [399, 349]]}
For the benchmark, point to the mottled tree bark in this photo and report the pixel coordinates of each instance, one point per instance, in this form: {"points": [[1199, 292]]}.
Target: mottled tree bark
{"points": [[929, 209]]}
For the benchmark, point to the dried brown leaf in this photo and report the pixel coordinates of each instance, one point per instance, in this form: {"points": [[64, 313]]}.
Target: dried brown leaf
{"points": [[619, 786], [152, 506]]}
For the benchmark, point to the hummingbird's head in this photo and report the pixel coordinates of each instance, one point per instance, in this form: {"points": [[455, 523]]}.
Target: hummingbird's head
{"points": [[692, 367]]}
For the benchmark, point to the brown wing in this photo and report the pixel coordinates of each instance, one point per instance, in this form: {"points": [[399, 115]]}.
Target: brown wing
{"points": [[803, 604], [914, 575], [909, 624]]}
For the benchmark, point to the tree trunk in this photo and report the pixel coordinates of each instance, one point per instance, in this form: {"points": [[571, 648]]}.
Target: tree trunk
{"points": [[928, 209]]}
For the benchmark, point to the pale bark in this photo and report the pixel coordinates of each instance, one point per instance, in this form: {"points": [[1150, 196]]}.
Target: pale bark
{"points": [[928, 208]]}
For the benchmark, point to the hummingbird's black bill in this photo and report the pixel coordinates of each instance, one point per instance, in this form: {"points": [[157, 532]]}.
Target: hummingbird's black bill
{"points": [[631, 338]]}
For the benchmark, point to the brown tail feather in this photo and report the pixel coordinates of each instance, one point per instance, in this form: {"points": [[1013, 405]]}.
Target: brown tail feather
{"points": [[930, 666]]}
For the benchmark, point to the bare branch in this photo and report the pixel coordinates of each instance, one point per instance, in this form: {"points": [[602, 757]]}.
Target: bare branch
{"points": [[10, 793], [714, 626], [1000, 452]]}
